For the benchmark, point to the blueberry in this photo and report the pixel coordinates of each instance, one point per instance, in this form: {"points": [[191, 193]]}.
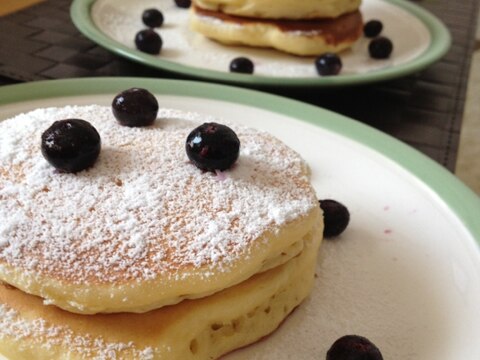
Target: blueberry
{"points": [[353, 347], [212, 146], [241, 65], [71, 145], [335, 217], [183, 3], [380, 48], [135, 107], [328, 64], [372, 28], [148, 41], [152, 18]]}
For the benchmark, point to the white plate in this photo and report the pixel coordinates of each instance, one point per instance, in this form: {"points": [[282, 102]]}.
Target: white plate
{"points": [[122, 19], [406, 272], [418, 37]]}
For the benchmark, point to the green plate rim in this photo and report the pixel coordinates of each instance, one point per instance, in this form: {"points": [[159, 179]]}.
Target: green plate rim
{"points": [[440, 44], [461, 200]]}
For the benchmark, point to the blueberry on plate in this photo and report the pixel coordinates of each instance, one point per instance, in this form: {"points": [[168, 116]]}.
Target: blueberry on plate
{"points": [[353, 347], [380, 48], [152, 18], [335, 217], [212, 146], [135, 107], [148, 41], [372, 28], [71, 145], [242, 65], [328, 64], [183, 3]]}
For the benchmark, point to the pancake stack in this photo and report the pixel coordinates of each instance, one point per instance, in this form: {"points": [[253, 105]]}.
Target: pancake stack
{"points": [[303, 27], [145, 256]]}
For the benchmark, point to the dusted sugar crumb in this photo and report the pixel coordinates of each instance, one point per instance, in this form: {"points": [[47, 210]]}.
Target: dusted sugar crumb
{"points": [[143, 210]]}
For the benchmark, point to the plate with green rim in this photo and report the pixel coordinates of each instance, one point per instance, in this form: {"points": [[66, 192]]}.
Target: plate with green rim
{"points": [[405, 273], [419, 40]]}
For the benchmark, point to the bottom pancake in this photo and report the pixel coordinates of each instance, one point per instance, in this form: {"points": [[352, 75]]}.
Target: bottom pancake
{"points": [[304, 38], [193, 329]]}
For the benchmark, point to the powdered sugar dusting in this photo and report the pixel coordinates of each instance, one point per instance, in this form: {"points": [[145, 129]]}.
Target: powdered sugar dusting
{"points": [[12, 325], [142, 210]]}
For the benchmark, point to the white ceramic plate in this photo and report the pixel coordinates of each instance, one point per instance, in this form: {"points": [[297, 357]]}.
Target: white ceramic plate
{"points": [[418, 37], [406, 272]]}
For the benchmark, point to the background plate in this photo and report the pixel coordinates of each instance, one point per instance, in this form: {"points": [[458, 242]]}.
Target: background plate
{"points": [[406, 272], [419, 39]]}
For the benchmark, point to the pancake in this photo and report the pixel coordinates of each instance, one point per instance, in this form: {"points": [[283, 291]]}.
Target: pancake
{"points": [[144, 228], [194, 329], [281, 9], [302, 37]]}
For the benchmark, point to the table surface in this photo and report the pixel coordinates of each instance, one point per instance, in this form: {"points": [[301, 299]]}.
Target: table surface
{"points": [[424, 110]]}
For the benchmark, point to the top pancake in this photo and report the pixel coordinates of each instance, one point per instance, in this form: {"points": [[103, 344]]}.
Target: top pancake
{"points": [[144, 228], [281, 9]]}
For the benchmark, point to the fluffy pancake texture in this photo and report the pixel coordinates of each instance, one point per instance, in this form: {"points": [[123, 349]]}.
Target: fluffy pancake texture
{"points": [[281, 9], [304, 38], [144, 228], [193, 329]]}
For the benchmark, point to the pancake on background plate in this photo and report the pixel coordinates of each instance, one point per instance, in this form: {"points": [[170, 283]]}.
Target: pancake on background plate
{"points": [[304, 27]]}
